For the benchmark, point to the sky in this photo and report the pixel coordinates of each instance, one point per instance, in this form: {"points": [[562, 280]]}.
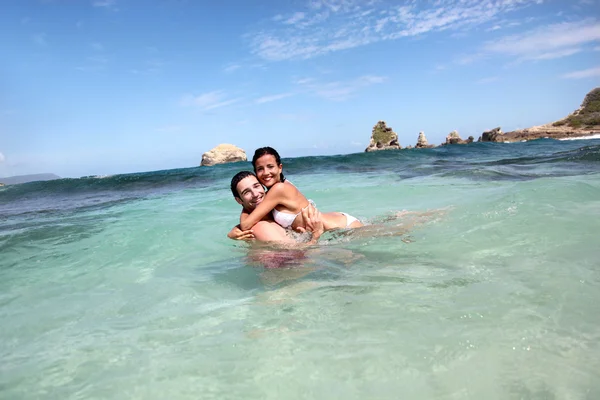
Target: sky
{"points": [[101, 87]]}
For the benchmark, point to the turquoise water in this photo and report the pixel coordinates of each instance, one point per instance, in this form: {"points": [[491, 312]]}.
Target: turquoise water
{"points": [[126, 287]]}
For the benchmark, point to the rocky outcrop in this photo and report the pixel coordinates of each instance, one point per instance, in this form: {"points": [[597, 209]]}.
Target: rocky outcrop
{"points": [[422, 142], [585, 121], [454, 138], [222, 154], [547, 131], [383, 138], [490, 136]]}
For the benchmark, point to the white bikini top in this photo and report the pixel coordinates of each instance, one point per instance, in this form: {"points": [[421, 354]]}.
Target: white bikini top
{"points": [[284, 219], [287, 219]]}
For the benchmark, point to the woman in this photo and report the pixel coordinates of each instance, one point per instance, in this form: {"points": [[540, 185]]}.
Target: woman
{"points": [[283, 199]]}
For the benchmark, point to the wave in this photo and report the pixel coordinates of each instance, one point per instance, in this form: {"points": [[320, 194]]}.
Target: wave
{"points": [[477, 161]]}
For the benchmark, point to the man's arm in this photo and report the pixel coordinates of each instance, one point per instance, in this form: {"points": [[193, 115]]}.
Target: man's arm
{"points": [[237, 234], [267, 231]]}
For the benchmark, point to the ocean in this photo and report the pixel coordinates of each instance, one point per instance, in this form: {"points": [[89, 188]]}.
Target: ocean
{"points": [[479, 279]]}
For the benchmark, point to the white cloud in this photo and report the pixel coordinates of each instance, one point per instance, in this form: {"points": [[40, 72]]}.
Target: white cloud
{"points": [[208, 101], [555, 54], [490, 79], [467, 59], [40, 39], [93, 63], [338, 90], [597, 48], [343, 24], [297, 17], [149, 67], [290, 117], [303, 81], [2, 158], [275, 97], [370, 79], [586, 73], [547, 42], [97, 46], [104, 3], [232, 67]]}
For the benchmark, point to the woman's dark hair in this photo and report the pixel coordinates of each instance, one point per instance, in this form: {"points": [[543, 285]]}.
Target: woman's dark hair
{"points": [[263, 151]]}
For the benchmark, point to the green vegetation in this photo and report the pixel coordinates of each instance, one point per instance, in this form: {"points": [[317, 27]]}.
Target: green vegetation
{"points": [[591, 97], [588, 115], [383, 134], [592, 107], [574, 122]]}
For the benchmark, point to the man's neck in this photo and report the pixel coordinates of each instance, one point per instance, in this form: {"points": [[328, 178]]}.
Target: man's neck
{"points": [[268, 217]]}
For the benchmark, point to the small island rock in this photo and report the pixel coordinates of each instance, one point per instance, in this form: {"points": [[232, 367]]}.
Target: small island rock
{"points": [[422, 142], [383, 138], [222, 154], [454, 138]]}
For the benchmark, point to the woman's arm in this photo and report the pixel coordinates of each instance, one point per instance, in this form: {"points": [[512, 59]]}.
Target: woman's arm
{"points": [[273, 198]]}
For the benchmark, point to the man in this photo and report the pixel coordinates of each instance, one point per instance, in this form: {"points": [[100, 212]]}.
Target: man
{"points": [[248, 192]]}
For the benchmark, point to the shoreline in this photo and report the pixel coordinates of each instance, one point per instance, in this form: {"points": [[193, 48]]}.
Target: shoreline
{"points": [[594, 136]]}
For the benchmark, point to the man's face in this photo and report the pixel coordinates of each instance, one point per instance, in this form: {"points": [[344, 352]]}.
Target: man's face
{"points": [[251, 192]]}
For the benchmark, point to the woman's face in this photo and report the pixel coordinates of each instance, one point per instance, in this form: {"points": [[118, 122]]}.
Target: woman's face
{"points": [[267, 170]]}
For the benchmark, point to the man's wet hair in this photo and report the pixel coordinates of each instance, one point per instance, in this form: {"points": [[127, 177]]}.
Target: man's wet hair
{"points": [[236, 179], [270, 151]]}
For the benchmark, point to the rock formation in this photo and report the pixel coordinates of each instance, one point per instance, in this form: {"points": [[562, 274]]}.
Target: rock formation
{"points": [[585, 121], [383, 138], [422, 142], [490, 136], [454, 138], [223, 153]]}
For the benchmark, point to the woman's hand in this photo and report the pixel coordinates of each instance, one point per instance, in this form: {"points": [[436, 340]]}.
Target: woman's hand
{"points": [[313, 223], [311, 217], [237, 234]]}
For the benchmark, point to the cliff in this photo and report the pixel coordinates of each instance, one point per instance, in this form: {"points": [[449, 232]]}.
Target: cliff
{"points": [[585, 121]]}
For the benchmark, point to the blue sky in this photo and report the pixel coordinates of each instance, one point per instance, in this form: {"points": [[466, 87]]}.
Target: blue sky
{"points": [[95, 87]]}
